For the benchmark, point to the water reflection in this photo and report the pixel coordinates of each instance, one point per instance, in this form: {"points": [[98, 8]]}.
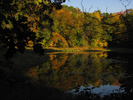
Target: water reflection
{"points": [[101, 91], [93, 71]]}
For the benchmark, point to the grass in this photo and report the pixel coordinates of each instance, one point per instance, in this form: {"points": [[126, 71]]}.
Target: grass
{"points": [[87, 49], [73, 49]]}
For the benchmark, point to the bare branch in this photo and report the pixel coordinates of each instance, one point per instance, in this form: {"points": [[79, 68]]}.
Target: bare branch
{"points": [[82, 5], [106, 9], [97, 8], [84, 9], [129, 1], [90, 8]]}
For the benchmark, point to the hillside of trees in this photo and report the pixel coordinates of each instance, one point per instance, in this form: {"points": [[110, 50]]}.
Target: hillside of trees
{"points": [[30, 23], [74, 28]]}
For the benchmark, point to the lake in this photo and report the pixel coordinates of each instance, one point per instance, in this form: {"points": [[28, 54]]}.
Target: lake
{"points": [[100, 73]]}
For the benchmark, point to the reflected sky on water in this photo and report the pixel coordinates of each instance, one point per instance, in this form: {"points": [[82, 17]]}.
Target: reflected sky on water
{"points": [[102, 90]]}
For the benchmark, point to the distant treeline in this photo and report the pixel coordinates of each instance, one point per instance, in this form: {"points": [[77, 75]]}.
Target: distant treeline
{"points": [[28, 23]]}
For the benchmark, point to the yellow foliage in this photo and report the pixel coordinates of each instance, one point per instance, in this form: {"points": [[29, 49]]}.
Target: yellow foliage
{"points": [[96, 15], [114, 18], [94, 55], [51, 44], [51, 57], [101, 44], [101, 55], [105, 44], [30, 43], [105, 55]]}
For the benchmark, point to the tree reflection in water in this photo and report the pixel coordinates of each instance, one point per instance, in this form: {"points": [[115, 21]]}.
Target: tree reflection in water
{"points": [[70, 71]]}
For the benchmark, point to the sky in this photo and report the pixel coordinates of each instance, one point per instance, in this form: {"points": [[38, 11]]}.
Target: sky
{"points": [[111, 6]]}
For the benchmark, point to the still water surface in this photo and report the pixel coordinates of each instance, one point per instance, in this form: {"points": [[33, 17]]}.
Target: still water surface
{"points": [[96, 72]]}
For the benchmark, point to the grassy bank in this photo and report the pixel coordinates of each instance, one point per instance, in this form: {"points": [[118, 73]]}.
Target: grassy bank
{"points": [[73, 49], [86, 49]]}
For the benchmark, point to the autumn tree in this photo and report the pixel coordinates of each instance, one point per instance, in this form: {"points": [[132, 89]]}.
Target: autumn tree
{"points": [[128, 20], [68, 24], [112, 26], [19, 22], [93, 30], [119, 28]]}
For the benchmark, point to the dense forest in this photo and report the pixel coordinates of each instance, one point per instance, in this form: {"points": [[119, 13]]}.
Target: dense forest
{"points": [[74, 28], [41, 23]]}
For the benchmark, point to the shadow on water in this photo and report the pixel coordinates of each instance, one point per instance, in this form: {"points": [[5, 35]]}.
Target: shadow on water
{"points": [[51, 50], [15, 85], [30, 76]]}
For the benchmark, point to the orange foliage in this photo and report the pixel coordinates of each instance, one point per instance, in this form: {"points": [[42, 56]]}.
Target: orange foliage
{"points": [[97, 84], [30, 43], [32, 73], [51, 57], [57, 63], [58, 40], [115, 81]]}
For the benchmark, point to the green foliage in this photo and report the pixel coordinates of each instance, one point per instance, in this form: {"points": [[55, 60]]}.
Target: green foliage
{"points": [[119, 28], [25, 20], [37, 20]]}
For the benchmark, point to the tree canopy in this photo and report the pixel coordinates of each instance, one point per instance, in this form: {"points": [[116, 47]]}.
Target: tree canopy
{"points": [[22, 21], [47, 23]]}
